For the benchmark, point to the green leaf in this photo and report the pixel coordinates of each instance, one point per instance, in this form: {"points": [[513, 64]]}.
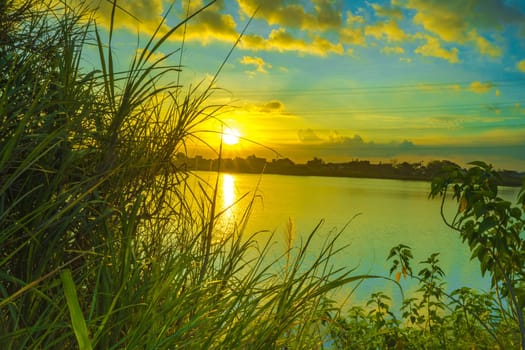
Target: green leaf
{"points": [[515, 213], [487, 224], [77, 319], [480, 164]]}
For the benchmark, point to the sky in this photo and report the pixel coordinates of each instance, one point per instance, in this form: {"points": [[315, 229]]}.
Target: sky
{"points": [[392, 80]]}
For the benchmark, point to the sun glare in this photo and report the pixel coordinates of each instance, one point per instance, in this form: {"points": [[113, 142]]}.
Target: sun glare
{"points": [[230, 136]]}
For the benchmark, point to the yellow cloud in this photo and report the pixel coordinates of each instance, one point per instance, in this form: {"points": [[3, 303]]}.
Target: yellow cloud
{"points": [[389, 30], [354, 19], [351, 36], [253, 42], [273, 111], [282, 41], [449, 26], [479, 87], [210, 25], [256, 61], [393, 50], [433, 48], [144, 15], [353, 32], [273, 106], [154, 57], [389, 12], [521, 66], [322, 47], [483, 45], [326, 14], [459, 21]]}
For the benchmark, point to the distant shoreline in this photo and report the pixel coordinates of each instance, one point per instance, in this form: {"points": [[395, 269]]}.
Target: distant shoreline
{"points": [[317, 167]]}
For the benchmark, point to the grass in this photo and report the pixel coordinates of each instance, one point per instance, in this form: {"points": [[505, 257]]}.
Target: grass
{"points": [[104, 244], [101, 247]]}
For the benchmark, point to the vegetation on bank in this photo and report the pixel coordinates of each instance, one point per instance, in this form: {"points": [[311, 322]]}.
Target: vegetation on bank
{"points": [[103, 245], [317, 167]]}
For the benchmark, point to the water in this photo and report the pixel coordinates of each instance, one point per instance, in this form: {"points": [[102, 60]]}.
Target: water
{"points": [[379, 214]]}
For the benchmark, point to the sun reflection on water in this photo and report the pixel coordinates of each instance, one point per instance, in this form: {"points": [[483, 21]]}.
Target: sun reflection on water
{"points": [[228, 194], [228, 190], [228, 201]]}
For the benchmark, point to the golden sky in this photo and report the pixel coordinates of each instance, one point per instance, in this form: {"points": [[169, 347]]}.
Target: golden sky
{"points": [[382, 80]]}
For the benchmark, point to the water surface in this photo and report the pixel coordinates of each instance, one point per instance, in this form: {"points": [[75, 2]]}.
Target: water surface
{"points": [[375, 214]]}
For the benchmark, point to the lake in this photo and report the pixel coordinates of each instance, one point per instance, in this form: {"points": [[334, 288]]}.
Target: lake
{"points": [[389, 212]]}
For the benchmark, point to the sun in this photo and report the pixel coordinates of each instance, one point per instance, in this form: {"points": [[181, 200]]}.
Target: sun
{"points": [[230, 136]]}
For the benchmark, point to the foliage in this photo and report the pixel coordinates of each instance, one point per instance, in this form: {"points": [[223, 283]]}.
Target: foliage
{"points": [[103, 243], [493, 229], [434, 319], [429, 319]]}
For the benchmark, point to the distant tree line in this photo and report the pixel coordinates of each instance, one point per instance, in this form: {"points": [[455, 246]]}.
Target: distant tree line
{"points": [[318, 167]]}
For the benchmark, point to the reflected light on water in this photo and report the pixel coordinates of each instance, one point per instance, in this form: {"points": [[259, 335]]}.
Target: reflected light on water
{"points": [[228, 199], [228, 190]]}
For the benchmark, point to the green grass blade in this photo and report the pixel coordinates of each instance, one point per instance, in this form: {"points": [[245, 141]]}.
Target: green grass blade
{"points": [[77, 319]]}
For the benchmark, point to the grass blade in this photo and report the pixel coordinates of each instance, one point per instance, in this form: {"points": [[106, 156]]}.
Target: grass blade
{"points": [[77, 319]]}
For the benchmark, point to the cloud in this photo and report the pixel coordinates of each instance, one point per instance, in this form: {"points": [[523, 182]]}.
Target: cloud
{"points": [[210, 25], [144, 15], [353, 32], [521, 66], [324, 15], [328, 13], [484, 46], [153, 56], [272, 107], [461, 21], [354, 145], [258, 62], [322, 27], [480, 88], [393, 50], [509, 155], [433, 48], [308, 135], [300, 27], [282, 41], [389, 30], [390, 12]]}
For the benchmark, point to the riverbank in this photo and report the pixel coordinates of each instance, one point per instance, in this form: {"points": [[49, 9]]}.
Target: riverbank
{"points": [[317, 167]]}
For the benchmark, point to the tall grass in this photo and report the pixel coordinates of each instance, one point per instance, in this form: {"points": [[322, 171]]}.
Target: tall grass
{"points": [[100, 246]]}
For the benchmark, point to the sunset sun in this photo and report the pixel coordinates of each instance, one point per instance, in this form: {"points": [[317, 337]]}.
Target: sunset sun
{"points": [[230, 136]]}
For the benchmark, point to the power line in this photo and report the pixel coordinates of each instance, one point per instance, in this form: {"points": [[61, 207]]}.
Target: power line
{"points": [[417, 109], [423, 87]]}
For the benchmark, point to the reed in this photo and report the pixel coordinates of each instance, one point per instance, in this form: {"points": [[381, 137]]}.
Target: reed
{"points": [[103, 244]]}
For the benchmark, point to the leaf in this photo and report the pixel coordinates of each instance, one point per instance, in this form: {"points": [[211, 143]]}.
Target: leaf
{"points": [[480, 164], [398, 276], [515, 213], [487, 224], [463, 204], [77, 319]]}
